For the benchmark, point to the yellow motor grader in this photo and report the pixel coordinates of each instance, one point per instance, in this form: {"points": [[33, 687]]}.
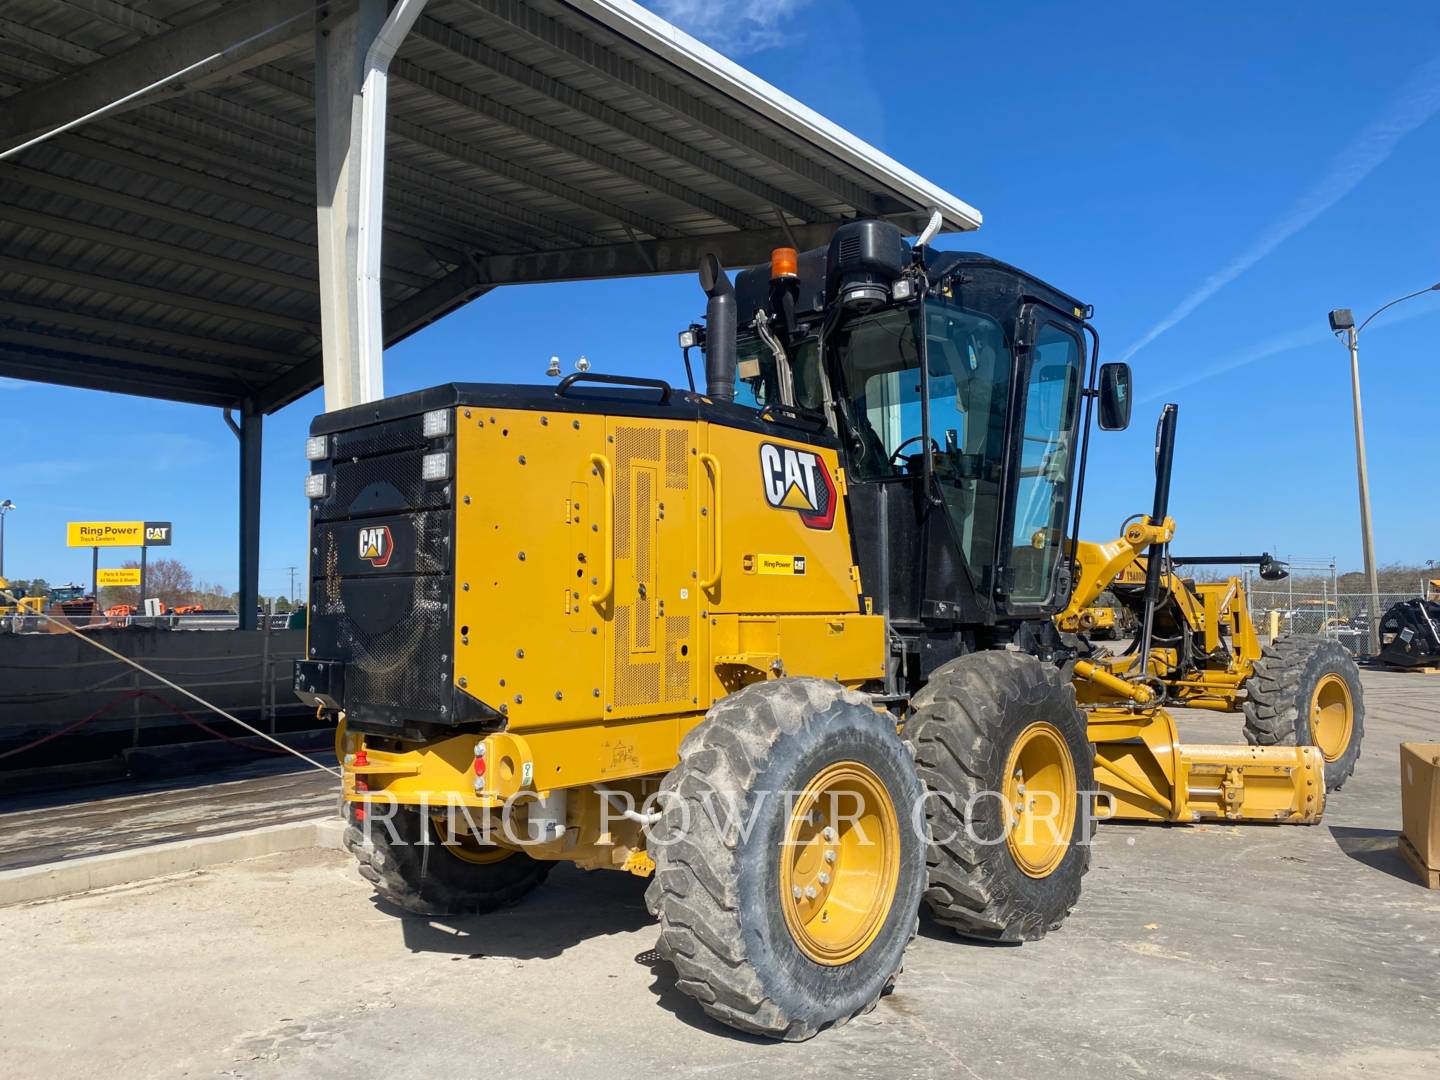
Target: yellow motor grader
{"points": [[1197, 646], [782, 643]]}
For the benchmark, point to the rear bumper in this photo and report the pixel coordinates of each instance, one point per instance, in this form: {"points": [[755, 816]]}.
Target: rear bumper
{"points": [[322, 684]]}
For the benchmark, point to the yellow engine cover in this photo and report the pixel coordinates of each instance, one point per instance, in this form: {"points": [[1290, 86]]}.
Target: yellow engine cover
{"points": [[615, 574]]}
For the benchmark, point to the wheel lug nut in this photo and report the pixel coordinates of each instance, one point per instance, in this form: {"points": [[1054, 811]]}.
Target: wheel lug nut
{"points": [[830, 856], [828, 832], [824, 878], [809, 892], [795, 892]]}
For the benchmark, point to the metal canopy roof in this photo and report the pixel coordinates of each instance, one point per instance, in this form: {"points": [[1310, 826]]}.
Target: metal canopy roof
{"points": [[168, 248]]}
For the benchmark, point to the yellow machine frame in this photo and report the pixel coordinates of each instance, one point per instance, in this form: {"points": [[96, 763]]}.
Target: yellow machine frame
{"points": [[1140, 762]]}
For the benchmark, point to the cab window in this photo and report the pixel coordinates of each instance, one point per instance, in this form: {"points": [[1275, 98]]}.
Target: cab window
{"points": [[757, 382], [1047, 459], [969, 362]]}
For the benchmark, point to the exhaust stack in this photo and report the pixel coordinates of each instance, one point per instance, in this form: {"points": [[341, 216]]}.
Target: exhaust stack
{"points": [[720, 325]]}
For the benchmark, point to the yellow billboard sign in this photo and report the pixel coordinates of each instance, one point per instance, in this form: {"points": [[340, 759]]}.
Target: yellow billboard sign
{"points": [[117, 534], [105, 533], [119, 575]]}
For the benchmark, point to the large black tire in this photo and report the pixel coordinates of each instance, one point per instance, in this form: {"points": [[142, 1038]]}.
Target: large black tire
{"points": [[965, 723], [717, 892], [1281, 696], [430, 879]]}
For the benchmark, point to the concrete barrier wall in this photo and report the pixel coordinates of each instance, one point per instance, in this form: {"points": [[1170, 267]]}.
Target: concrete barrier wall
{"points": [[51, 681]]}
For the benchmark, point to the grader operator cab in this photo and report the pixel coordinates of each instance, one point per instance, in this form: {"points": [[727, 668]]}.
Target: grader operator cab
{"points": [[679, 633]]}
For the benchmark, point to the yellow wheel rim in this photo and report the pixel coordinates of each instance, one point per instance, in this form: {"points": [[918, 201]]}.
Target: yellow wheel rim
{"points": [[840, 863], [466, 848], [1332, 716], [1040, 799]]}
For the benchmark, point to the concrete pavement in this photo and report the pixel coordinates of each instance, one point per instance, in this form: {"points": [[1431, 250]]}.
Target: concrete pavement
{"points": [[1209, 950]]}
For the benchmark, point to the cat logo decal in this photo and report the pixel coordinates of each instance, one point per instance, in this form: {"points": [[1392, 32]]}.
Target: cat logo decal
{"points": [[376, 545], [798, 480]]}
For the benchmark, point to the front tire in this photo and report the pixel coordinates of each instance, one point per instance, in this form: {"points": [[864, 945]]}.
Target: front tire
{"points": [[1305, 691], [997, 734], [789, 860], [413, 870]]}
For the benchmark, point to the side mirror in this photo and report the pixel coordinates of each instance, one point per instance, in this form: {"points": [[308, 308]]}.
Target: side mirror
{"points": [[1114, 394]]}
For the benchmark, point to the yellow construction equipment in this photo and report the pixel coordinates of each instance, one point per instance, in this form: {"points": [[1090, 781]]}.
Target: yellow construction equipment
{"points": [[1099, 622], [1198, 647], [678, 633]]}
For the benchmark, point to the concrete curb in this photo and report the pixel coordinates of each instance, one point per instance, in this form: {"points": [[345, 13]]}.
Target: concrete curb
{"points": [[50, 880]]}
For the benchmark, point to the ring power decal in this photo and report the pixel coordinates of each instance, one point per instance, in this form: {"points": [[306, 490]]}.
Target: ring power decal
{"points": [[786, 565], [798, 480]]}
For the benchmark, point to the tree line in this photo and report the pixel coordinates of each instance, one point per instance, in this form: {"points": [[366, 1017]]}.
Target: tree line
{"points": [[169, 580]]}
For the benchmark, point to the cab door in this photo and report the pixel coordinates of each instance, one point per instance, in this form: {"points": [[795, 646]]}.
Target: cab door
{"points": [[1044, 448]]}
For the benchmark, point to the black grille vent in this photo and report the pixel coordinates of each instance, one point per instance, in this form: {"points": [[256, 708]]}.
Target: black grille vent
{"points": [[393, 633], [385, 484], [382, 579]]}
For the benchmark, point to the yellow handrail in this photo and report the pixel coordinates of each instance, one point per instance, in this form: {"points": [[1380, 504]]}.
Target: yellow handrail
{"points": [[607, 487], [711, 462]]}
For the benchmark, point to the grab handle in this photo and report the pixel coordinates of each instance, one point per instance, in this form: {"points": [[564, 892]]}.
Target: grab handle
{"points": [[712, 463], [607, 487]]}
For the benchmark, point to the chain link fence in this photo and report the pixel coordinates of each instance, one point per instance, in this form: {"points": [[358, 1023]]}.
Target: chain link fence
{"points": [[1342, 617]]}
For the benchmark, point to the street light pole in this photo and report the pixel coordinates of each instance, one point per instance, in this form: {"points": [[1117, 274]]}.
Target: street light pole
{"points": [[5, 508], [1342, 320], [1367, 534]]}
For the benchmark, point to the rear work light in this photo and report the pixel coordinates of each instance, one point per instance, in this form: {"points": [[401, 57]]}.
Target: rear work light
{"points": [[316, 485], [435, 466], [317, 448], [436, 423]]}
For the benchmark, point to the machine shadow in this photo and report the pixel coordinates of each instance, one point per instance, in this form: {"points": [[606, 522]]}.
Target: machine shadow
{"points": [[571, 907], [1378, 849], [685, 1008], [937, 931]]}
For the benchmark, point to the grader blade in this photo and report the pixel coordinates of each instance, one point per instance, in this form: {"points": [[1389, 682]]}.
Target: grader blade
{"points": [[1283, 784], [1145, 773]]}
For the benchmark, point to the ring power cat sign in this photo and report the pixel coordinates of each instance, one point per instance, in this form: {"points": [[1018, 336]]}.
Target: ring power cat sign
{"points": [[118, 534]]}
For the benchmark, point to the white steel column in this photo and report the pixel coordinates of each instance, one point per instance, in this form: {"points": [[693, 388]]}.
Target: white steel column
{"points": [[352, 60], [370, 322], [341, 43]]}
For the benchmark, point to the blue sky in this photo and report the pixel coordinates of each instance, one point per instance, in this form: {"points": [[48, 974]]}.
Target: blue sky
{"points": [[1213, 178]]}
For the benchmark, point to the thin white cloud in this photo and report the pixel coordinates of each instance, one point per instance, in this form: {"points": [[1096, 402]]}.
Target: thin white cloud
{"points": [[734, 27], [1309, 336], [1413, 106]]}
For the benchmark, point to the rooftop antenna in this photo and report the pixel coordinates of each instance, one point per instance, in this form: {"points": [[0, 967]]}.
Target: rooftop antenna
{"points": [[554, 369]]}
